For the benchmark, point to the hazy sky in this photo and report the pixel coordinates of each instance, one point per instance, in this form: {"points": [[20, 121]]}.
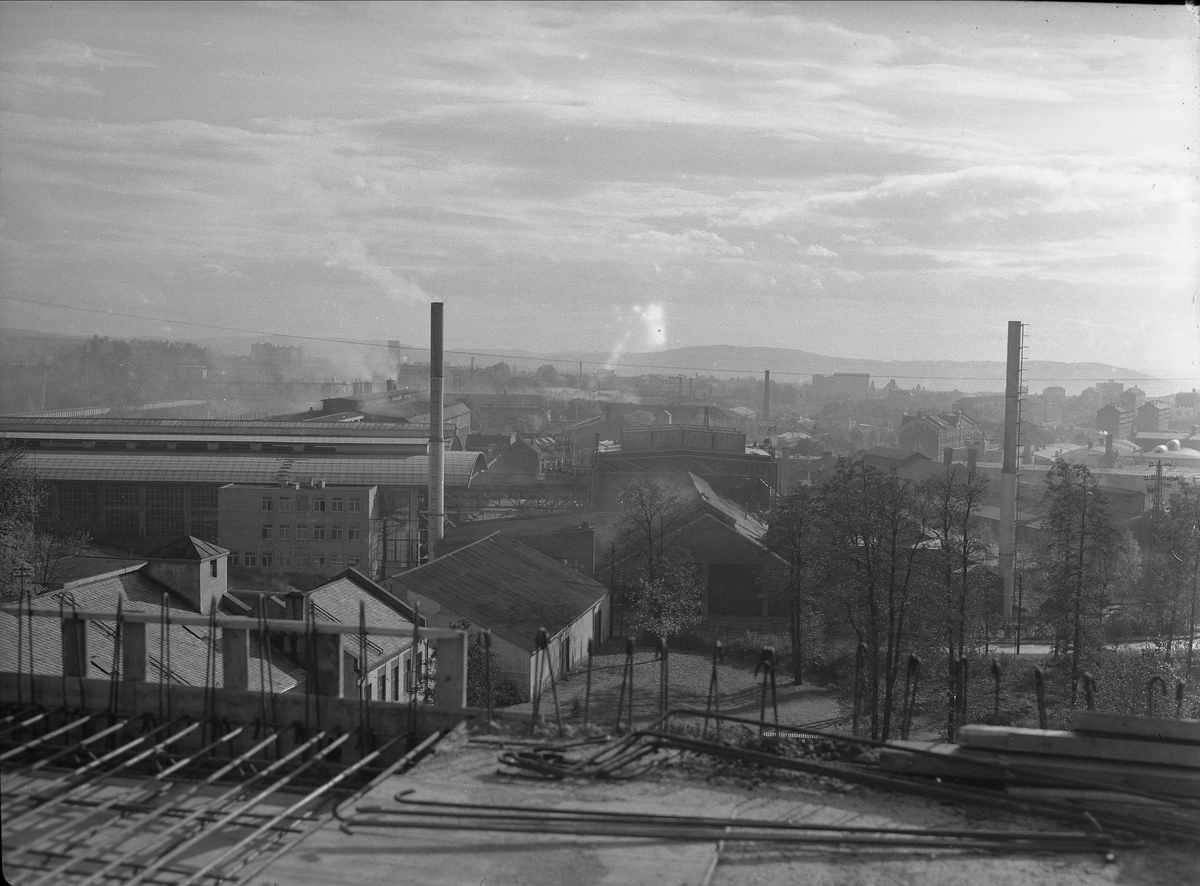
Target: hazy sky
{"points": [[887, 180]]}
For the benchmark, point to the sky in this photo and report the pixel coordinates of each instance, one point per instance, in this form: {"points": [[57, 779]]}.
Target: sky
{"points": [[873, 180]]}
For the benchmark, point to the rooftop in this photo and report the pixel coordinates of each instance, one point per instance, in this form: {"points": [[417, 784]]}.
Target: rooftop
{"points": [[215, 468], [505, 585]]}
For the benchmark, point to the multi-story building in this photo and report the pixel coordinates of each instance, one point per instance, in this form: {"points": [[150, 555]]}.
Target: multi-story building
{"points": [[1114, 420], [932, 435], [1153, 416], [318, 528], [1109, 391]]}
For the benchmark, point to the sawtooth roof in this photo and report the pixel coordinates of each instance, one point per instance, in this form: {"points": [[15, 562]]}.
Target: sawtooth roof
{"points": [[502, 584]]}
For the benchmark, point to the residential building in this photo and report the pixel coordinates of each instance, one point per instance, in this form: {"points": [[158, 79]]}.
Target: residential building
{"points": [[1109, 391], [1153, 416], [1115, 420]]}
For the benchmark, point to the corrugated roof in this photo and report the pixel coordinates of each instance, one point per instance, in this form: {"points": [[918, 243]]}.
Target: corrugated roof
{"points": [[501, 584], [189, 646], [219, 469]]}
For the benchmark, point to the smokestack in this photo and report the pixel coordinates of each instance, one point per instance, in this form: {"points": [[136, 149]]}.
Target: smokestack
{"points": [[680, 388], [1008, 470], [437, 443], [767, 395]]}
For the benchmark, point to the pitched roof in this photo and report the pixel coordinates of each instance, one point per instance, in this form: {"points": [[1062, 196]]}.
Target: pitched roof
{"points": [[188, 646], [337, 601], [603, 522], [501, 584], [188, 548]]}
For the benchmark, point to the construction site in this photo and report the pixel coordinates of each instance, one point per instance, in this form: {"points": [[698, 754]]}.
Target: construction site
{"points": [[129, 779]]}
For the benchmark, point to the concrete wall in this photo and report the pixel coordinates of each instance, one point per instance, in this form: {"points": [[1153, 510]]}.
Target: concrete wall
{"points": [[202, 583]]}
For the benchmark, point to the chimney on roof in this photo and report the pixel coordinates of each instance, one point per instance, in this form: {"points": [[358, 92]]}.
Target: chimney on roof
{"points": [[201, 580], [766, 395]]}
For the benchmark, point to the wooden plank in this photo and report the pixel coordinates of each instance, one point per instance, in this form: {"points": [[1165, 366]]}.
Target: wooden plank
{"points": [[1074, 744], [1154, 728], [899, 756], [1176, 781]]}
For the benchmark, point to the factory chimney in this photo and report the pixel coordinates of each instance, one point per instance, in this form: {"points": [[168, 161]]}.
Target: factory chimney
{"points": [[1008, 470], [437, 443], [767, 395]]}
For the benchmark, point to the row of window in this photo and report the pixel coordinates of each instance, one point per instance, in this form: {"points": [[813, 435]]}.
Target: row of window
{"points": [[336, 533], [293, 559], [320, 503]]}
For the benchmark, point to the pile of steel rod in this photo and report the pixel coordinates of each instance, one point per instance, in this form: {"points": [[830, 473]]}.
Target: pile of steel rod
{"points": [[436, 815]]}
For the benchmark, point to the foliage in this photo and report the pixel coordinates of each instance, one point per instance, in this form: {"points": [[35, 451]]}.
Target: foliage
{"points": [[664, 582], [34, 545], [1171, 569], [504, 691], [546, 375], [118, 373], [670, 602]]}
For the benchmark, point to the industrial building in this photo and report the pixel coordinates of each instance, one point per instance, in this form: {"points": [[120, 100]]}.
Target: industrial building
{"points": [[502, 585]]}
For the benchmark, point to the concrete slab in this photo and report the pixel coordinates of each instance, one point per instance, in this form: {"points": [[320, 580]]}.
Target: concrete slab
{"points": [[452, 858]]}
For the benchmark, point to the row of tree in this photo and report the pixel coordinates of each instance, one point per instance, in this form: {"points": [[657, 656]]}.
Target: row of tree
{"points": [[905, 567]]}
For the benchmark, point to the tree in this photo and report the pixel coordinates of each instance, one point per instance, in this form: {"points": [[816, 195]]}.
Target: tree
{"points": [[34, 545], [791, 533], [672, 601], [546, 375], [874, 538], [1073, 567], [665, 583], [953, 501], [504, 691]]}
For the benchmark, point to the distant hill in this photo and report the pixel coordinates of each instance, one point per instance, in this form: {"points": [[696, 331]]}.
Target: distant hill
{"points": [[792, 365]]}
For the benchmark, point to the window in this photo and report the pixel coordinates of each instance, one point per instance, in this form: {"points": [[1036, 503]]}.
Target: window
{"points": [[285, 531], [302, 503], [301, 559], [212, 568], [354, 533], [396, 682], [336, 534], [352, 561], [318, 504], [383, 684], [251, 559], [368, 690], [233, 558], [318, 533], [335, 560], [285, 561], [266, 530], [356, 506], [301, 533], [268, 558], [268, 503], [335, 504], [318, 561], [285, 502]]}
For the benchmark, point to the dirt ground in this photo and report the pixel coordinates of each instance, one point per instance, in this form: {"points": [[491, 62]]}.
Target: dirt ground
{"points": [[739, 691]]}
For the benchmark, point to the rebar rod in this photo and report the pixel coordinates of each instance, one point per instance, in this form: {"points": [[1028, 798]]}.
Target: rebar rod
{"points": [[32, 715], [77, 823], [172, 872], [487, 671], [212, 804], [714, 696], [42, 739], [179, 848], [587, 692], [291, 810]]}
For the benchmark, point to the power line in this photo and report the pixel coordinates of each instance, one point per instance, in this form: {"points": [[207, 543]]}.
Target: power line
{"points": [[571, 360]]}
